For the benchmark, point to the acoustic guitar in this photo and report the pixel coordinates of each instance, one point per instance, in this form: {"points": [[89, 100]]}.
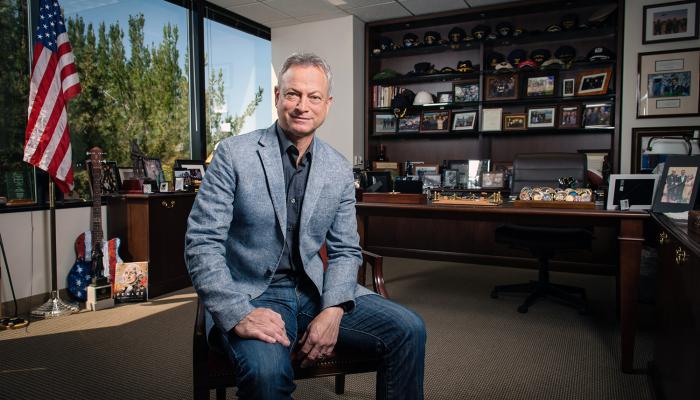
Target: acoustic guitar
{"points": [[95, 259]]}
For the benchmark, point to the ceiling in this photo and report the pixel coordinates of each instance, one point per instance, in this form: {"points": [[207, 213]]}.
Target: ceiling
{"points": [[278, 13]]}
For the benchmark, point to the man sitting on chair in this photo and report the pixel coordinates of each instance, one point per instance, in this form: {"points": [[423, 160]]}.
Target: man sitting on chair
{"points": [[268, 202]]}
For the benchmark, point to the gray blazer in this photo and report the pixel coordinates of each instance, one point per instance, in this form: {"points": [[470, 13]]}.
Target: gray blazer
{"points": [[236, 230]]}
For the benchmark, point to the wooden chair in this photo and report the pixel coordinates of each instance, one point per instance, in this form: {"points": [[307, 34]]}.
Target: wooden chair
{"points": [[213, 370]]}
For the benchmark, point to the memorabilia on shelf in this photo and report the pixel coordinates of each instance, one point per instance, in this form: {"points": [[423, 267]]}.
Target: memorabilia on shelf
{"points": [[431, 181], [593, 82], [449, 178], [491, 119], [471, 199], [384, 123], [669, 84], [18, 186], [492, 180], [540, 86], [548, 197], [426, 169], [651, 146], [501, 87], [409, 124], [514, 122], [598, 115], [678, 185], [631, 191], [131, 282], [568, 87], [109, 176], [463, 120], [445, 97], [435, 121], [541, 117], [164, 187], [466, 91], [569, 116], [391, 166], [670, 22], [379, 181], [469, 171]]}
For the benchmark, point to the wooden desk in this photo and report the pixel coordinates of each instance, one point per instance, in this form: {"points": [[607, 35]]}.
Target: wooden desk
{"points": [[629, 226]]}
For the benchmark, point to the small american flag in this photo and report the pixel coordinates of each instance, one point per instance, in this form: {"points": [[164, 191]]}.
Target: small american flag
{"points": [[54, 82]]}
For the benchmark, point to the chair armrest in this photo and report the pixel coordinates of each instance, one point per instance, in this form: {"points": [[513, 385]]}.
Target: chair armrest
{"points": [[376, 262], [200, 347]]}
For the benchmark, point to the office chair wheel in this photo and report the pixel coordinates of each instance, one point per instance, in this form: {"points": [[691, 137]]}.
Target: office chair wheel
{"points": [[494, 294], [522, 309]]}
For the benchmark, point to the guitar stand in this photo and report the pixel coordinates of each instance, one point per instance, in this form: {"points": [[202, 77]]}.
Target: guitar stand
{"points": [[13, 322]]}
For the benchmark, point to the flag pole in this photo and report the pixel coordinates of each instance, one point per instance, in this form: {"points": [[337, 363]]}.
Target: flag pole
{"points": [[54, 307]]}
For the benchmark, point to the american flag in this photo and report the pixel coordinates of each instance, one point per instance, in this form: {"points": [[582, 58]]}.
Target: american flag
{"points": [[54, 82]]}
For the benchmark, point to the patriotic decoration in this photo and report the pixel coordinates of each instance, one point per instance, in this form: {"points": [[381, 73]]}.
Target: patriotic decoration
{"points": [[54, 81]]}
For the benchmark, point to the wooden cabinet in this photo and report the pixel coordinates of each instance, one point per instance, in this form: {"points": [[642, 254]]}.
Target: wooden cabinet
{"points": [[152, 228], [537, 19], [676, 364]]}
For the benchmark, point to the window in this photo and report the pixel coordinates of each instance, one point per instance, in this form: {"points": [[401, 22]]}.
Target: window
{"points": [[133, 63], [238, 84], [16, 176]]}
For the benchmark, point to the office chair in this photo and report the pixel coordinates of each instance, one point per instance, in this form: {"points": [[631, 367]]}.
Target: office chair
{"points": [[213, 370], [543, 169]]}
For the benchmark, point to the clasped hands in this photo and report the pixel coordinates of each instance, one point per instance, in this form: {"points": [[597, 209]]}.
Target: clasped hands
{"points": [[317, 342]]}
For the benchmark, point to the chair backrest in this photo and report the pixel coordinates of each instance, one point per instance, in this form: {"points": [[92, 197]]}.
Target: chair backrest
{"points": [[543, 169]]}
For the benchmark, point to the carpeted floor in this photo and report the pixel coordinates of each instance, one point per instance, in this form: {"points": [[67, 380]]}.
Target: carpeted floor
{"points": [[478, 347]]}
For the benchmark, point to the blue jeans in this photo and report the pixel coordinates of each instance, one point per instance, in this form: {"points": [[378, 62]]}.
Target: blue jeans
{"points": [[376, 326]]}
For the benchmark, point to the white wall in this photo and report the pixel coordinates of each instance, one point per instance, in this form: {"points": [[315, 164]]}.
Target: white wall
{"points": [[26, 237], [633, 46], [339, 41]]}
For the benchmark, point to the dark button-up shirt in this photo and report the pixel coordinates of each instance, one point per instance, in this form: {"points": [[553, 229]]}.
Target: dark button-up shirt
{"points": [[295, 178]]}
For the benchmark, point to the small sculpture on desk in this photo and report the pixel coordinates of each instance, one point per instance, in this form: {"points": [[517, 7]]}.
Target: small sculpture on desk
{"points": [[135, 184]]}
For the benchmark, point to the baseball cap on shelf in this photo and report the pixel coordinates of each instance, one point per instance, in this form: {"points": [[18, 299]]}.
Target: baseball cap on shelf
{"points": [[494, 58], [456, 36], [553, 28], [386, 73], [503, 67], [540, 55], [565, 53], [569, 21], [553, 63], [600, 54], [517, 55], [480, 32], [448, 70], [465, 66], [431, 38], [410, 40], [527, 65], [504, 29]]}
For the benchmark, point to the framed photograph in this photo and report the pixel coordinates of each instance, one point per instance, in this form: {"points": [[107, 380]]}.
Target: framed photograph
{"points": [[152, 168], [569, 117], [126, 173], [409, 124], [501, 87], [540, 86], [463, 120], [568, 87], [110, 182], [179, 184], [651, 146], [431, 180], [670, 22], [491, 119], [421, 169], [445, 97], [195, 168], [384, 123], [514, 122], [492, 180], [379, 181], [435, 121], [593, 82], [635, 191], [541, 117], [598, 115], [164, 187], [669, 84], [678, 186], [466, 91], [469, 171], [449, 178]]}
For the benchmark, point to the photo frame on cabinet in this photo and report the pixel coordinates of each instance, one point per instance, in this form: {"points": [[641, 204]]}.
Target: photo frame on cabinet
{"points": [[670, 22], [669, 84], [593, 82], [541, 117], [463, 120], [678, 185], [543, 85], [492, 180], [568, 87], [409, 123], [501, 87], [635, 190], [195, 168], [126, 173], [435, 121], [466, 91], [515, 122], [384, 123], [651, 146], [598, 115], [569, 116]]}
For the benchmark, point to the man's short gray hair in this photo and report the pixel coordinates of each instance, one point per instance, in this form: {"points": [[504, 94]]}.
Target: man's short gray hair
{"points": [[308, 60]]}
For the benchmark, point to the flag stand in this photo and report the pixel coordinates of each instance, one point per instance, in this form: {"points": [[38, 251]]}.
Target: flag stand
{"points": [[54, 307]]}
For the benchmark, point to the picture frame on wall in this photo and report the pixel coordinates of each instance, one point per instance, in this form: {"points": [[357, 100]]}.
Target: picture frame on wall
{"points": [[466, 91], [435, 121], [570, 116], [669, 84], [593, 82], [445, 97], [670, 22], [568, 87], [678, 185], [409, 123], [463, 120], [651, 146], [384, 123], [540, 85], [515, 122], [501, 87], [541, 117], [491, 119], [598, 115]]}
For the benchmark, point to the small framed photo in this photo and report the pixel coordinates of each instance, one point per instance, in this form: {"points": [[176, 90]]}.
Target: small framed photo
{"points": [[147, 188], [179, 184], [126, 173], [598, 115], [669, 83], [466, 91], [421, 169], [431, 180], [435, 121], [631, 191], [463, 120], [195, 168], [541, 86], [514, 122], [164, 187], [152, 168], [501, 87], [384, 123], [593, 82], [491, 119], [670, 22], [445, 97], [541, 117], [409, 124], [109, 182], [568, 87], [570, 117], [449, 178], [678, 186], [492, 180]]}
